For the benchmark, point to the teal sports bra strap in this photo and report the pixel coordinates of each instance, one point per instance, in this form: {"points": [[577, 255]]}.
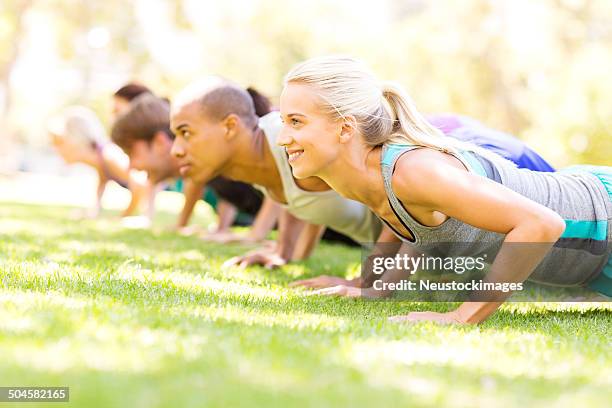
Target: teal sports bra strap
{"points": [[390, 155]]}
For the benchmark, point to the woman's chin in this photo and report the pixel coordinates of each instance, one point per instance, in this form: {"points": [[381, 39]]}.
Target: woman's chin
{"points": [[300, 173]]}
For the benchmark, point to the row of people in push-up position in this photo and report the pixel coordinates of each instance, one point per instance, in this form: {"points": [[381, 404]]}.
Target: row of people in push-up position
{"points": [[349, 153]]}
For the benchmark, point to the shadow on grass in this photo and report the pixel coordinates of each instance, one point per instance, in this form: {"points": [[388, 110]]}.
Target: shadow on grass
{"points": [[209, 292]]}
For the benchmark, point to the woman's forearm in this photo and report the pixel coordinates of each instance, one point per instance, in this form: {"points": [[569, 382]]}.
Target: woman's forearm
{"points": [[388, 244], [102, 181], [523, 249]]}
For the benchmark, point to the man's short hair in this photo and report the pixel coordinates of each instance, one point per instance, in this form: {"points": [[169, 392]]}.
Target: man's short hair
{"points": [[147, 115]]}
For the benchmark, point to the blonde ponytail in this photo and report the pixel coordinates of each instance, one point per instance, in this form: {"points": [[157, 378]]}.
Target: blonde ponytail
{"points": [[410, 126], [384, 112]]}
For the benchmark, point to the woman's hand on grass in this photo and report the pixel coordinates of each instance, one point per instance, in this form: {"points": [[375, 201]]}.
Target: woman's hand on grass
{"points": [[441, 318], [84, 214], [325, 281]]}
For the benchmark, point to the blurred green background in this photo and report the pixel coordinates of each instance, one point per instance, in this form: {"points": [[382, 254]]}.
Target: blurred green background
{"points": [[538, 69]]}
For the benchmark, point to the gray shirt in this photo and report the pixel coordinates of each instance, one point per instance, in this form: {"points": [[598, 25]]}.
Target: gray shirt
{"points": [[578, 196]]}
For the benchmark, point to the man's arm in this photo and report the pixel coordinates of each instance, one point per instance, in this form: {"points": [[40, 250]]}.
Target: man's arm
{"points": [[139, 187], [226, 215], [289, 230], [386, 238], [192, 192], [307, 241], [266, 218]]}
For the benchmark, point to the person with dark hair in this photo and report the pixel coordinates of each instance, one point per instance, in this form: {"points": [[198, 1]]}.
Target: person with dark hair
{"points": [[126, 94], [143, 132], [261, 103]]}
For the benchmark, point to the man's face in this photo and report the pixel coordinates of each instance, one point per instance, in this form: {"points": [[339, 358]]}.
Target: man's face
{"points": [[202, 146], [153, 157]]}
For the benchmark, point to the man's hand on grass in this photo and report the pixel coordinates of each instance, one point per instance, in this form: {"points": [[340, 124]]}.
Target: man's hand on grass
{"points": [[186, 230], [266, 257], [136, 222], [344, 287], [348, 291], [339, 290], [223, 237], [229, 237]]}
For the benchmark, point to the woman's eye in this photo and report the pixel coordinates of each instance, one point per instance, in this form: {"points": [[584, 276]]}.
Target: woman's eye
{"points": [[295, 122], [186, 134]]}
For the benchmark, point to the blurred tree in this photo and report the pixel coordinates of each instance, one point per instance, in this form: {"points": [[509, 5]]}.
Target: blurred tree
{"points": [[11, 31], [537, 69]]}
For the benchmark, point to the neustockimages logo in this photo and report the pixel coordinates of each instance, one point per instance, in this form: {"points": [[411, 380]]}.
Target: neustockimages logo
{"points": [[412, 264]]}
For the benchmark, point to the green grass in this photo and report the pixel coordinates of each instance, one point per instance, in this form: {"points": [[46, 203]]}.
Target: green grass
{"points": [[148, 319]]}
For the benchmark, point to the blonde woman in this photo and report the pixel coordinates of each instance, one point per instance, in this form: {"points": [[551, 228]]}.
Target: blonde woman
{"points": [[79, 137], [366, 140]]}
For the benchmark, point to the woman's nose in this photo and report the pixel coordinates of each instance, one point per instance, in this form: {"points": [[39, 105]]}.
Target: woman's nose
{"points": [[284, 138]]}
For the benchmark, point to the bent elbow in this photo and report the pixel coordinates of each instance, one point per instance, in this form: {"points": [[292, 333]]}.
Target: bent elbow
{"points": [[550, 227], [559, 225]]}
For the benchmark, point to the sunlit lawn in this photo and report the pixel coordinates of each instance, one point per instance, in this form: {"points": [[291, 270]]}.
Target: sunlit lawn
{"points": [[130, 318]]}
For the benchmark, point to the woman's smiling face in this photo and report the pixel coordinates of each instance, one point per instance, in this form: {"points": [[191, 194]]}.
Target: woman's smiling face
{"points": [[309, 135]]}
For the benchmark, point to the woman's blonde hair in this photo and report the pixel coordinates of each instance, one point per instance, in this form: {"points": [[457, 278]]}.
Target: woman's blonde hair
{"points": [[79, 124], [384, 112]]}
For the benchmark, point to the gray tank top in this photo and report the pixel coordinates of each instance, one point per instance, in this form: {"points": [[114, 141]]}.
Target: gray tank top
{"points": [[579, 197], [327, 208]]}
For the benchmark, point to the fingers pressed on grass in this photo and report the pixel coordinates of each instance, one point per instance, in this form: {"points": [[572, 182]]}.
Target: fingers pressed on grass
{"points": [[303, 283], [435, 317]]}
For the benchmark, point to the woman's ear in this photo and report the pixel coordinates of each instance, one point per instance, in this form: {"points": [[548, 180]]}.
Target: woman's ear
{"points": [[349, 129]]}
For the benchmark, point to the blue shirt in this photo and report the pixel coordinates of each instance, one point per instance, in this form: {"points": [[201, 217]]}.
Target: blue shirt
{"points": [[504, 144]]}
